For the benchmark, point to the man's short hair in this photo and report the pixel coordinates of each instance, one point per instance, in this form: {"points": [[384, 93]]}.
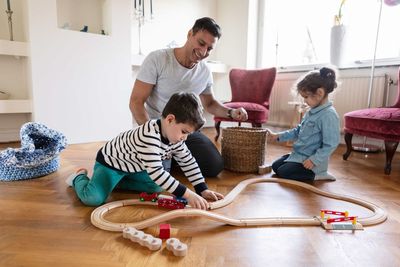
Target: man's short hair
{"points": [[187, 108], [207, 24]]}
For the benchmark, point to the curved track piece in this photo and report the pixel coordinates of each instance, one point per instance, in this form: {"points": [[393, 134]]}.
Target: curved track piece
{"points": [[98, 220]]}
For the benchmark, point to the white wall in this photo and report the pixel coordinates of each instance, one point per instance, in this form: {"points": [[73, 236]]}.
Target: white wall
{"points": [[81, 82], [172, 21], [236, 47]]}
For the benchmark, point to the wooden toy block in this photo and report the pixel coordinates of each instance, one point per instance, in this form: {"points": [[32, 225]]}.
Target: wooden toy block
{"points": [[143, 239], [263, 169], [165, 231], [131, 233], [177, 247]]}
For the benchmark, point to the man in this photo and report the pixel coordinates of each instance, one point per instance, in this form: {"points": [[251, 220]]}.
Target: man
{"points": [[167, 71]]}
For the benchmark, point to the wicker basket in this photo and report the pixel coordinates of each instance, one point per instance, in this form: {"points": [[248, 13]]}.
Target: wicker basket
{"points": [[243, 149]]}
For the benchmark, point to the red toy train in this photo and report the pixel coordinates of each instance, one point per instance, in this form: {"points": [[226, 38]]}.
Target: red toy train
{"points": [[170, 203], [148, 197]]}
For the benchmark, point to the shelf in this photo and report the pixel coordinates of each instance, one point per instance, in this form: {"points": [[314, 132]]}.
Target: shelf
{"points": [[15, 106], [13, 48]]}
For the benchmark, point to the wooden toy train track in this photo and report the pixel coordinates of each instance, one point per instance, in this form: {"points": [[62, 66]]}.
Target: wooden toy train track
{"points": [[98, 220]]}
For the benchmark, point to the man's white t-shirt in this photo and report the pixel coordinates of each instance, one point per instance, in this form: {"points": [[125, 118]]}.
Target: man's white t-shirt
{"points": [[162, 69]]}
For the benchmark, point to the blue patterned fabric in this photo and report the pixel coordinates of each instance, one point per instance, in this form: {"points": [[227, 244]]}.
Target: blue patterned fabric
{"points": [[38, 155]]}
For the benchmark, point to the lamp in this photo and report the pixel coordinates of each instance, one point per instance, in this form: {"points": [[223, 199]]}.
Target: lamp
{"points": [[140, 16], [364, 147]]}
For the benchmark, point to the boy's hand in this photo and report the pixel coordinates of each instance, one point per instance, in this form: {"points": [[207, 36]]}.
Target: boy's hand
{"points": [[211, 195], [271, 135], [195, 201], [308, 164]]}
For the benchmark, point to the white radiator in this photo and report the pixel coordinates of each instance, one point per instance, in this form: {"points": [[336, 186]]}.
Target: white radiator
{"points": [[351, 94]]}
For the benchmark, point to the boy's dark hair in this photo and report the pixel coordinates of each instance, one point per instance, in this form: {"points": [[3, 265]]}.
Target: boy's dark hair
{"points": [[325, 78], [187, 108], [207, 24]]}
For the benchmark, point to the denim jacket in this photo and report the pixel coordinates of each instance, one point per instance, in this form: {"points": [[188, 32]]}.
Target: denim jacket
{"points": [[316, 137]]}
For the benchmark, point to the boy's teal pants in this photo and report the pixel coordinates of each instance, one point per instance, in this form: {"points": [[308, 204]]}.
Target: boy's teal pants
{"points": [[95, 191]]}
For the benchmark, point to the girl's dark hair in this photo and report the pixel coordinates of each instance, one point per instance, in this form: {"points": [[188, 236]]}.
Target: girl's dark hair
{"points": [[325, 78], [187, 108], [207, 24]]}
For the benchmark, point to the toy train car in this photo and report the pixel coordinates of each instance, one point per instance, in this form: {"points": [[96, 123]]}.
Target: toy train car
{"points": [[168, 203], [148, 197], [182, 200]]}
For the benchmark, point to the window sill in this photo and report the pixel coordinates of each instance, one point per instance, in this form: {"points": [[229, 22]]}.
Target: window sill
{"points": [[359, 64]]}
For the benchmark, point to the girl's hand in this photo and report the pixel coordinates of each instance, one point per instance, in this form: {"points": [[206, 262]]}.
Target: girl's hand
{"points": [[308, 164], [195, 201], [272, 135], [211, 195]]}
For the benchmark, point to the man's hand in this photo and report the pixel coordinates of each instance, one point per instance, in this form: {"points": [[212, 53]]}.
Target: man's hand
{"points": [[239, 114]]}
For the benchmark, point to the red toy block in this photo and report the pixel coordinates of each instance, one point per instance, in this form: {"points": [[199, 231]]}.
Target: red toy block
{"points": [[165, 231]]}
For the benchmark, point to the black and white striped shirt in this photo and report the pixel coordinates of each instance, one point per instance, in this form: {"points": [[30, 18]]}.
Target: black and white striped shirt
{"points": [[144, 148]]}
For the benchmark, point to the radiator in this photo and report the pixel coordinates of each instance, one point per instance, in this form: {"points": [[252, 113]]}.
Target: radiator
{"points": [[351, 94]]}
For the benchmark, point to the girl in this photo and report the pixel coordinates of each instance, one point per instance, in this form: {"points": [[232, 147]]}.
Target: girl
{"points": [[317, 136]]}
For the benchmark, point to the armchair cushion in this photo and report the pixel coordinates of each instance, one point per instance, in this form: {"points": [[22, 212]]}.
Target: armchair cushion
{"points": [[380, 123]]}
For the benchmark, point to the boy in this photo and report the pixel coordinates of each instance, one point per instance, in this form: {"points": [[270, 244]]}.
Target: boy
{"points": [[134, 159]]}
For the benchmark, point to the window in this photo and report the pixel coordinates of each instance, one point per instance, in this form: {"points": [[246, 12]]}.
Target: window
{"points": [[298, 32]]}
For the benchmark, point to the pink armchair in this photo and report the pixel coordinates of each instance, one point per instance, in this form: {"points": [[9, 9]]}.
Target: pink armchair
{"points": [[381, 123], [251, 90]]}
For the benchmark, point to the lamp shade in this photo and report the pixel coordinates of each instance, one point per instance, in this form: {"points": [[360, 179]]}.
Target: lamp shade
{"points": [[392, 2]]}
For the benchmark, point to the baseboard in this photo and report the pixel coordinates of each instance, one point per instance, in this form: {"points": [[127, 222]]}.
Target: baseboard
{"points": [[9, 135]]}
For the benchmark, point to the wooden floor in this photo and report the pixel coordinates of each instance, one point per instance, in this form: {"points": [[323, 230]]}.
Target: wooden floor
{"points": [[42, 223]]}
